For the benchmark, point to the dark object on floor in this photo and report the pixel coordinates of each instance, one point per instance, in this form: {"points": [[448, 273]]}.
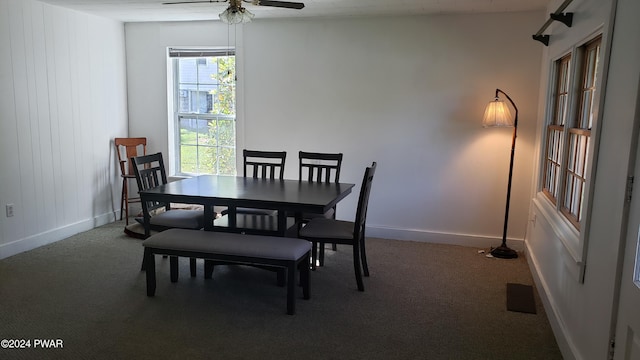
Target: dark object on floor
{"points": [[520, 298]]}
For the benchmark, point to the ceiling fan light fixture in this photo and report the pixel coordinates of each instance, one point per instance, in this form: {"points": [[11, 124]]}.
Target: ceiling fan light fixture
{"points": [[236, 15]]}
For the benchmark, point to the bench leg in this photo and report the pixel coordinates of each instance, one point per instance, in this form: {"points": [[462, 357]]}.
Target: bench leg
{"points": [[321, 254], [150, 269], [291, 287], [305, 277], [173, 266], [314, 254], [208, 269]]}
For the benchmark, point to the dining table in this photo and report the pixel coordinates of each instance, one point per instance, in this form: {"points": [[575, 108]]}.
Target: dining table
{"points": [[288, 199]]}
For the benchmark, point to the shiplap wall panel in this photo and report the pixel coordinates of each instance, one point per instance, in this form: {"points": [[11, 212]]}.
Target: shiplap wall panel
{"points": [[23, 149], [9, 183], [81, 108], [62, 100], [31, 203], [44, 168], [55, 184], [65, 125]]}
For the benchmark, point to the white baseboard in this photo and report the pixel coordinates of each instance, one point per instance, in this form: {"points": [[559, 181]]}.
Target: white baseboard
{"points": [[477, 241], [481, 242], [51, 236], [567, 348]]}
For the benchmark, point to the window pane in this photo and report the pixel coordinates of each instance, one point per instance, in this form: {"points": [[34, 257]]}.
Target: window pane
{"points": [[226, 133], [552, 163], [188, 159], [561, 90], [188, 131], [576, 175]]}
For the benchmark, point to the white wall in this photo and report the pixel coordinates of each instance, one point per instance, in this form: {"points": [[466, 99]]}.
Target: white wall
{"points": [[62, 100], [407, 92], [582, 313]]}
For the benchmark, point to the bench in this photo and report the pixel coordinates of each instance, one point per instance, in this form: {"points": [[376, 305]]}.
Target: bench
{"points": [[230, 248]]}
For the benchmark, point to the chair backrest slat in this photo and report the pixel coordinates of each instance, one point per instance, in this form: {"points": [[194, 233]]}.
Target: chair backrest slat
{"points": [[320, 167], [264, 164]]}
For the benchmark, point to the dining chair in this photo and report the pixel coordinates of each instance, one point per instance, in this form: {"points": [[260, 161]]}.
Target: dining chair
{"points": [[126, 148], [319, 167], [264, 164], [150, 172], [261, 165], [323, 230]]}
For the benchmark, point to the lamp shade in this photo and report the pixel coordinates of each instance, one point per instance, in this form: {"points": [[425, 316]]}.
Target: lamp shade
{"points": [[497, 113], [236, 15]]}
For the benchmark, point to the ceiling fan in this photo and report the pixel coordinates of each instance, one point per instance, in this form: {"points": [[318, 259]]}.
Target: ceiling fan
{"points": [[236, 13]]}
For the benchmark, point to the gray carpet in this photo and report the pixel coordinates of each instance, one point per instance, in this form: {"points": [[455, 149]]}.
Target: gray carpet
{"points": [[422, 301]]}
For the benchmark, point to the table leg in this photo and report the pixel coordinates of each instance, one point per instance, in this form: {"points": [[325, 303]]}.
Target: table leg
{"points": [[208, 217]]}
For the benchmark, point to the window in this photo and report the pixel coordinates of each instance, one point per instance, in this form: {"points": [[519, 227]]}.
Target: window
{"points": [[204, 119], [566, 153], [580, 136], [555, 129]]}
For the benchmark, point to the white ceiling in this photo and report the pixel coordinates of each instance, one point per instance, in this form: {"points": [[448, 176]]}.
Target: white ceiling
{"points": [[153, 10]]}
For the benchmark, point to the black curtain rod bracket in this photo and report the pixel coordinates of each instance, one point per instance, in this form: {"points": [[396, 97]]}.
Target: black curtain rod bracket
{"points": [[565, 18], [558, 15], [542, 38]]}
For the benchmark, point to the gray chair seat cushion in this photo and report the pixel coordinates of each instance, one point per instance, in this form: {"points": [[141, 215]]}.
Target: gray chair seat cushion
{"points": [[265, 247], [321, 228], [183, 219]]}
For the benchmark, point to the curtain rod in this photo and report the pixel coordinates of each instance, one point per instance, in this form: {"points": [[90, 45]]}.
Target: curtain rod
{"points": [[557, 15]]}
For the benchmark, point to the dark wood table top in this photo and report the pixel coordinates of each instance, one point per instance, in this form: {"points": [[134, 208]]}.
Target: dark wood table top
{"points": [[286, 196], [289, 195]]}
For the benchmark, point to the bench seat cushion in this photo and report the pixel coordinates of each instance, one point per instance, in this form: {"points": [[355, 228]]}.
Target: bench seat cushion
{"points": [[266, 247]]}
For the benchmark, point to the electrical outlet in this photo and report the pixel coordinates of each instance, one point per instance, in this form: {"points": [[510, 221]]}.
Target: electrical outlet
{"points": [[9, 210]]}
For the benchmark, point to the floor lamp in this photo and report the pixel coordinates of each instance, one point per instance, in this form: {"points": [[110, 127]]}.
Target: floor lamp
{"points": [[497, 114]]}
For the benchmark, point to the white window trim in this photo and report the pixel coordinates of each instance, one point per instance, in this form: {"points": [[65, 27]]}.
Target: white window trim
{"points": [[574, 242], [171, 101]]}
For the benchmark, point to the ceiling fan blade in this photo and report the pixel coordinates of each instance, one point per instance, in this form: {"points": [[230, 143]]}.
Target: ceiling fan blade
{"points": [[193, 2], [281, 4]]}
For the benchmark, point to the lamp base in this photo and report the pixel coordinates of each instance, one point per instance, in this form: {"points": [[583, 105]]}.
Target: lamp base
{"points": [[504, 252]]}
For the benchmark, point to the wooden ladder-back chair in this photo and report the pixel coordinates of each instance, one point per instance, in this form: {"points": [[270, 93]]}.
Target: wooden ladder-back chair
{"points": [[264, 164], [150, 172], [319, 167], [323, 230], [126, 148], [322, 168], [261, 165]]}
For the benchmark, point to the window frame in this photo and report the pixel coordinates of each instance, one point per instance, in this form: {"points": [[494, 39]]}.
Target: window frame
{"points": [[580, 131], [173, 98], [574, 238]]}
